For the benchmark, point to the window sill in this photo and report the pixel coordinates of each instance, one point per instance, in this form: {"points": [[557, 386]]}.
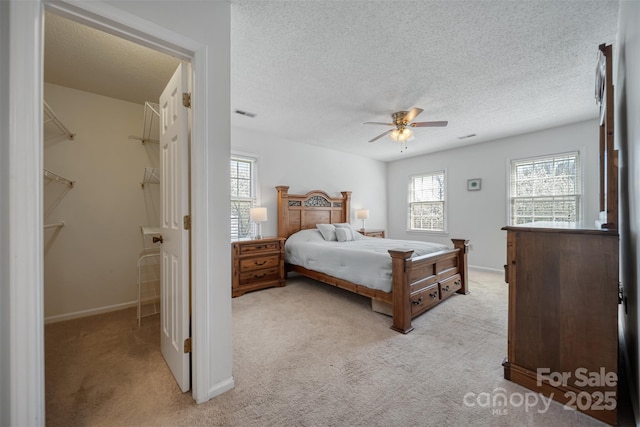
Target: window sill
{"points": [[428, 233]]}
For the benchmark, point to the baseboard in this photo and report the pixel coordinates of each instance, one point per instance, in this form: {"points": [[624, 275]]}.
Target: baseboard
{"points": [[219, 388], [631, 381], [90, 312], [492, 270]]}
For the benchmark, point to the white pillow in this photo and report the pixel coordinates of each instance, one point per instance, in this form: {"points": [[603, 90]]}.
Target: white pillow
{"points": [[328, 231], [344, 234], [348, 226]]}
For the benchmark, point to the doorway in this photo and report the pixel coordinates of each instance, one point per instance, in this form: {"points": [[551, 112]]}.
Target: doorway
{"points": [[209, 157], [103, 213]]}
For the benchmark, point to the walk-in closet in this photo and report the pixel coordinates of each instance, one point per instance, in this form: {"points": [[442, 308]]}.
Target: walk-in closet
{"points": [[101, 209]]}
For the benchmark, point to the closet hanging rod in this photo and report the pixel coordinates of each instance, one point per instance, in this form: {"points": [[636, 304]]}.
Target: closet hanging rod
{"points": [[53, 118], [55, 177], [59, 224]]}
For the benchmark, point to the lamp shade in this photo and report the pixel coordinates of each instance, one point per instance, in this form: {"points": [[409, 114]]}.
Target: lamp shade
{"points": [[362, 213], [258, 214]]}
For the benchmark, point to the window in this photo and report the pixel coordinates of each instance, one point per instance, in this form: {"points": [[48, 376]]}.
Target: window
{"points": [[427, 202], [243, 195], [545, 189]]}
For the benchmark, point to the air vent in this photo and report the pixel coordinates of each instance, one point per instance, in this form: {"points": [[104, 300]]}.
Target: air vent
{"points": [[471, 135], [245, 113]]}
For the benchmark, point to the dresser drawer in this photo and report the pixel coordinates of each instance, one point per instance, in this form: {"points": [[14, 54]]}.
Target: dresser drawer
{"points": [[263, 275], [450, 285], [257, 263], [259, 247], [424, 299]]}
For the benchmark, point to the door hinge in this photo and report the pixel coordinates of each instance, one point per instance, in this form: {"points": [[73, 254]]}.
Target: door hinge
{"points": [[186, 99], [187, 222], [187, 345]]}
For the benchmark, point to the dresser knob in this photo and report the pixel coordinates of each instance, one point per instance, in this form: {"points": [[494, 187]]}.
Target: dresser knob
{"points": [[434, 295], [260, 262], [417, 302]]}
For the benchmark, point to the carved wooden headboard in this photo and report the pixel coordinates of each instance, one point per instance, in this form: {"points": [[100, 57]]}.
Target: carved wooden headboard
{"points": [[301, 211]]}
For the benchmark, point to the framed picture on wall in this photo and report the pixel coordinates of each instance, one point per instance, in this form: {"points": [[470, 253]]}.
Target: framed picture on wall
{"points": [[474, 184]]}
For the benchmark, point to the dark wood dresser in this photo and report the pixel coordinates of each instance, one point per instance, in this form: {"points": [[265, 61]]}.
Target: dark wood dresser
{"points": [[563, 316], [257, 264]]}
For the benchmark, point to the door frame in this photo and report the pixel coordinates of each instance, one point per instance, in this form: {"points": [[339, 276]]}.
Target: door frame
{"points": [[25, 189]]}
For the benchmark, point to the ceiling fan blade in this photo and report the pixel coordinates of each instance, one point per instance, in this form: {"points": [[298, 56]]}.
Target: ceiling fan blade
{"points": [[413, 114], [378, 123], [428, 124], [381, 135]]}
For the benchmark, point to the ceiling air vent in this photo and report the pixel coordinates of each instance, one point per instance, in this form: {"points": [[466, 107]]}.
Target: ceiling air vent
{"points": [[245, 113]]}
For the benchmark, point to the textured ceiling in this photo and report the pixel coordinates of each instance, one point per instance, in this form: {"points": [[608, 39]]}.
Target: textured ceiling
{"points": [[314, 71], [83, 58]]}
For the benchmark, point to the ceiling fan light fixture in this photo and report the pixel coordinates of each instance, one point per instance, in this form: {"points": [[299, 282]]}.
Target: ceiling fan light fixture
{"points": [[401, 135]]}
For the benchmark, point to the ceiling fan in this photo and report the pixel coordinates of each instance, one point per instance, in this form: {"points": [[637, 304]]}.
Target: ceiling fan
{"points": [[402, 121]]}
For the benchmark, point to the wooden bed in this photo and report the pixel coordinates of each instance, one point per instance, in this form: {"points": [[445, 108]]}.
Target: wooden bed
{"points": [[418, 283]]}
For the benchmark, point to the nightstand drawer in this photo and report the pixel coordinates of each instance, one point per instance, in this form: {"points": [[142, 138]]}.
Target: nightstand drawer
{"points": [[263, 275], [259, 247], [251, 264]]}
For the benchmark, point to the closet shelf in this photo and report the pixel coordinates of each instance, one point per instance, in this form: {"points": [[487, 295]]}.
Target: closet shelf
{"points": [[50, 117], [151, 176], [58, 178], [150, 125], [149, 231], [59, 224]]}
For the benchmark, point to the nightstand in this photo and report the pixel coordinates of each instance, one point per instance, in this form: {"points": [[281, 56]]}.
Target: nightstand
{"points": [[372, 233], [257, 264]]}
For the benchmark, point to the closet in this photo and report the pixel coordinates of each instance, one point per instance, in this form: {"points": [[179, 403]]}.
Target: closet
{"points": [[102, 196]]}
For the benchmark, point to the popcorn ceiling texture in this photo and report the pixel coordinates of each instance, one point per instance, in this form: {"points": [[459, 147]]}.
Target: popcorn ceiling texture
{"points": [[314, 71]]}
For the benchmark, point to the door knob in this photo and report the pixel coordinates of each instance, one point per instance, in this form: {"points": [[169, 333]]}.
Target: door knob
{"points": [[157, 239]]}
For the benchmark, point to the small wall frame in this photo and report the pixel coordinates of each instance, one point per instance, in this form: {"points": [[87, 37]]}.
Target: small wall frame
{"points": [[474, 184]]}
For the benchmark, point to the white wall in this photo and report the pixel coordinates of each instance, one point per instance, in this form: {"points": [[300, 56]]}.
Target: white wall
{"points": [[90, 263], [5, 315], [307, 167], [479, 215], [627, 128]]}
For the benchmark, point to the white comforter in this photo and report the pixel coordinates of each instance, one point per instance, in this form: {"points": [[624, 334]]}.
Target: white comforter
{"points": [[365, 261]]}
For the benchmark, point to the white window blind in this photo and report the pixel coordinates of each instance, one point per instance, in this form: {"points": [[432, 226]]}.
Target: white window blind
{"points": [[546, 189], [427, 202], [243, 195]]}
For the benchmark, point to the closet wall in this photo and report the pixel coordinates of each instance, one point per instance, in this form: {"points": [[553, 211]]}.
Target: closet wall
{"points": [[90, 263]]}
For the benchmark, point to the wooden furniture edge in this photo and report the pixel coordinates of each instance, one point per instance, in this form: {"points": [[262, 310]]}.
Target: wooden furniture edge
{"points": [[561, 393]]}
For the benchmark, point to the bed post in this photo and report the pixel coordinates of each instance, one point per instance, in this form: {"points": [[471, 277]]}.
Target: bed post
{"points": [[463, 245], [283, 212], [346, 206], [400, 292]]}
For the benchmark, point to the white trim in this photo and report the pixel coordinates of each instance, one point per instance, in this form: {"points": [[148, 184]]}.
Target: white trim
{"points": [[479, 268], [25, 288], [26, 329], [90, 312], [125, 25], [221, 387]]}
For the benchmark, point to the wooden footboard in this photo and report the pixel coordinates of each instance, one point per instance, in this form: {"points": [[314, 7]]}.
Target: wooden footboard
{"points": [[422, 282]]}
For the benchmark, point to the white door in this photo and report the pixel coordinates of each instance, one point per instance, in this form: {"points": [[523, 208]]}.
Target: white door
{"points": [[174, 253]]}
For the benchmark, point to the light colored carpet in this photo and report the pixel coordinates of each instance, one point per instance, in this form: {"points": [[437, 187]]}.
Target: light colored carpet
{"points": [[307, 354]]}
